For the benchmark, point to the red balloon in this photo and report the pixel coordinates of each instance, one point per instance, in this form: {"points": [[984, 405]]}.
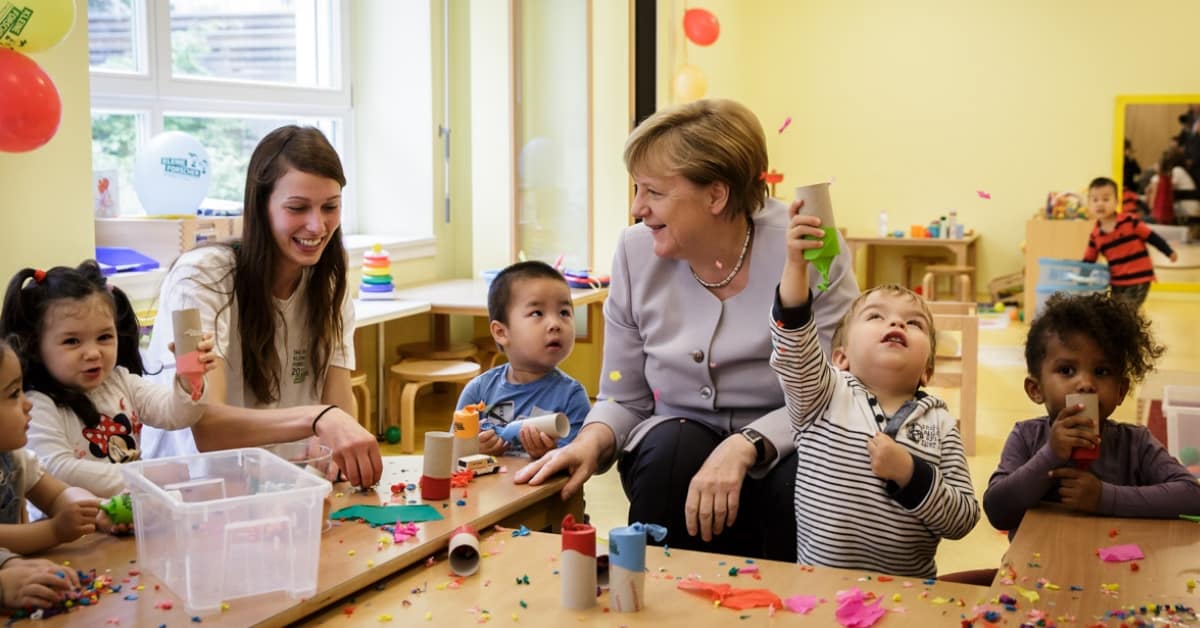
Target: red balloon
{"points": [[30, 108], [700, 26]]}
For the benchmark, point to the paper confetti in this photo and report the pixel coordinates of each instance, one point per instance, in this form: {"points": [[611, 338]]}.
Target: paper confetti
{"points": [[786, 123], [1121, 553], [614, 376], [1029, 594], [983, 195], [801, 604], [521, 531]]}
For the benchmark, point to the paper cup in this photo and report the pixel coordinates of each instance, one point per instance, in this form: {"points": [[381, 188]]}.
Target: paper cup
{"points": [[464, 551], [817, 203]]}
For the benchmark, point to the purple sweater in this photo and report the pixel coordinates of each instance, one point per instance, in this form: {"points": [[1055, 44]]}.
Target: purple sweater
{"points": [[1139, 478]]}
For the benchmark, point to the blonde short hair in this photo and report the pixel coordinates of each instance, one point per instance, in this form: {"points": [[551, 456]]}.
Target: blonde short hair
{"points": [[891, 289], [706, 141]]}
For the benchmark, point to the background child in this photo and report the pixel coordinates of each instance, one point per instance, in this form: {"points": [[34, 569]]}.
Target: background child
{"points": [[881, 473], [1121, 239], [73, 512], [533, 323], [1092, 343], [79, 340]]}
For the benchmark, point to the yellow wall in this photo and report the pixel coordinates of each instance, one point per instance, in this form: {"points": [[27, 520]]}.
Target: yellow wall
{"points": [[45, 194], [914, 106]]}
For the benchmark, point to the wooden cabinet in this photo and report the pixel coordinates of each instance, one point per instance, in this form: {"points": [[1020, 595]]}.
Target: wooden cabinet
{"points": [[1063, 239], [164, 239]]}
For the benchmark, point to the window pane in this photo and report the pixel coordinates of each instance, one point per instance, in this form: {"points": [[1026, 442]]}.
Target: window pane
{"points": [[229, 142], [112, 35], [114, 144], [273, 41]]}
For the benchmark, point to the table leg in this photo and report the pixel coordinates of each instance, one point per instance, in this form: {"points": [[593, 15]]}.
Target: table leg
{"points": [[441, 331], [380, 388]]}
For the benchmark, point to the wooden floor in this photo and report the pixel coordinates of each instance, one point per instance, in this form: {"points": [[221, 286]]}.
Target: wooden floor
{"points": [[1002, 402]]}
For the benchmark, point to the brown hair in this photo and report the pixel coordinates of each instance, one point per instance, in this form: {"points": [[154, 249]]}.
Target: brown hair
{"points": [[891, 289], [707, 141], [286, 148]]}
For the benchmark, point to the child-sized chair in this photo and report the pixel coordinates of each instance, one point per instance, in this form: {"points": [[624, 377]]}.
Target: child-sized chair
{"points": [[407, 378], [960, 276], [362, 398], [958, 369]]}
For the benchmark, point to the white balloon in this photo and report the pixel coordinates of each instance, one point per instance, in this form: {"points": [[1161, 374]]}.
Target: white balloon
{"points": [[171, 174]]}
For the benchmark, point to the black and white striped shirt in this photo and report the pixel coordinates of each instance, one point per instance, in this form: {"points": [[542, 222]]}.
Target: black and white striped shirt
{"points": [[846, 516]]}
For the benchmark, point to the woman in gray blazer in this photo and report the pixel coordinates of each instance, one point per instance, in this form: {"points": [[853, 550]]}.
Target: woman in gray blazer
{"points": [[688, 402]]}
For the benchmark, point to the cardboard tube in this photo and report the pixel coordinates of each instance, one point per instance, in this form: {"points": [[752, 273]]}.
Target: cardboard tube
{"points": [[627, 565], [186, 323], [626, 589], [578, 564], [1091, 410], [555, 426], [817, 203], [439, 464], [464, 551], [466, 430]]}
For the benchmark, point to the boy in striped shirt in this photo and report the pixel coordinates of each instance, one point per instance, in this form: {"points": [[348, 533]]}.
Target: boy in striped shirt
{"points": [[881, 472], [1121, 239]]}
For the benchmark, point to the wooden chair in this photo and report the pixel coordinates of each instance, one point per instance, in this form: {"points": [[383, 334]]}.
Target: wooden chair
{"points": [[426, 351], [961, 369], [487, 352], [362, 399], [407, 378], [958, 274]]}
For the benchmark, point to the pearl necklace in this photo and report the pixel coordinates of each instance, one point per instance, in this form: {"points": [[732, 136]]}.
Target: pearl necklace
{"points": [[713, 285]]}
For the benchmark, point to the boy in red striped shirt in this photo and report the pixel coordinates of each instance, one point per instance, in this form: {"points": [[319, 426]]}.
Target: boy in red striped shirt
{"points": [[1121, 239]]}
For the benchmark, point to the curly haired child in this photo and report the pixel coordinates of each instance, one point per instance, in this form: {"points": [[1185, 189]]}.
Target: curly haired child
{"points": [[1087, 343]]}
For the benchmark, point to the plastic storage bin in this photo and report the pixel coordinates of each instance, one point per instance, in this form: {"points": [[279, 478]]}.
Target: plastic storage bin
{"points": [[1181, 406], [1061, 275], [223, 525]]}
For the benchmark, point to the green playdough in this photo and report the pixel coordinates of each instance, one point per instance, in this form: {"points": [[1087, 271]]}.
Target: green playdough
{"points": [[119, 508], [392, 435], [1189, 456], [381, 515], [822, 258]]}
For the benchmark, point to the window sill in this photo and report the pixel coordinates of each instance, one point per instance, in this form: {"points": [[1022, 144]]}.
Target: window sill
{"points": [[142, 287]]}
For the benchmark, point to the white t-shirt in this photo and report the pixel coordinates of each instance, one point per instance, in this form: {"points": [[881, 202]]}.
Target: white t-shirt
{"points": [[1180, 180], [88, 457], [203, 279]]}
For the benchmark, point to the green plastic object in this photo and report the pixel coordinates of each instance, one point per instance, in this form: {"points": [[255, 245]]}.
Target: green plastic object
{"points": [[381, 515], [1189, 456], [392, 435], [119, 509], [822, 258]]}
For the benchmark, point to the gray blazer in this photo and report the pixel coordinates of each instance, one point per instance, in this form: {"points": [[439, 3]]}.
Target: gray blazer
{"points": [[672, 349]]}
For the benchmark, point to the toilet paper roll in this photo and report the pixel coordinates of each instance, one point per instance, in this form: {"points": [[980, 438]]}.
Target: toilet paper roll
{"points": [[627, 565], [817, 202], [186, 323], [578, 564], [555, 426], [438, 465], [626, 589], [1091, 410], [464, 551]]}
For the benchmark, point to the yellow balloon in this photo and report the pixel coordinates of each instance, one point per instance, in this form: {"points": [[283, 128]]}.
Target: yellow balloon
{"points": [[690, 83], [35, 25]]}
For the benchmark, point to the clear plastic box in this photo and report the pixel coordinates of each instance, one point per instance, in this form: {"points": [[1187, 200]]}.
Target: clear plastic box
{"points": [[1071, 276], [223, 525], [1181, 407]]}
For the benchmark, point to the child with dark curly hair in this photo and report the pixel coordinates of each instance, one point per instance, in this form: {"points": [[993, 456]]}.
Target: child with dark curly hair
{"points": [[1099, 344]]}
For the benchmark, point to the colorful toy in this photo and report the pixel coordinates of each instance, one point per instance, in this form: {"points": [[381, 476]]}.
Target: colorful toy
{"points": [[584, 279], [377, 275], [119, 509], [1065, 206]]}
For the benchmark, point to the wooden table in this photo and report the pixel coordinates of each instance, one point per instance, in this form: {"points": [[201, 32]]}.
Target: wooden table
{"points": [[378, 313], [468, 297], [491, 500], [1062, 545], [961, 249], [494, 588]]}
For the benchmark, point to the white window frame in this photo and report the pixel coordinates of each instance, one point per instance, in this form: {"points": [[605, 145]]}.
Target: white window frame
{"points": [[153, 90]]}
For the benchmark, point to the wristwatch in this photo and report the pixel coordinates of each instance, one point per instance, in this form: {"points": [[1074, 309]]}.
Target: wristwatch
{"points": [[758, 440]]}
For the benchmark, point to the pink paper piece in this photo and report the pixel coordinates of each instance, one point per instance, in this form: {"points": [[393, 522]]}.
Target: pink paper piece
{"points": [[1121, 553], [983, 195], [786, 123], [800, 603], [853, 613], [748, 569], [403, 531]]}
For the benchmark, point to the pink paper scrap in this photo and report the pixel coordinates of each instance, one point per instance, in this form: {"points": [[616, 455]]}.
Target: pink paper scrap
{"points": [[1121, 553], [801, 603], [853, 613]]}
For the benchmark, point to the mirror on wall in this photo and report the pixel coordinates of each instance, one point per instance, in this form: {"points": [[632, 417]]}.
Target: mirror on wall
{"points": [[552, 135], [1156, 155]]}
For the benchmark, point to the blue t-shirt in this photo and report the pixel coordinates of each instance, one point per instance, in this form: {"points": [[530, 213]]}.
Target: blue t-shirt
{"points": [[506, 402]]}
